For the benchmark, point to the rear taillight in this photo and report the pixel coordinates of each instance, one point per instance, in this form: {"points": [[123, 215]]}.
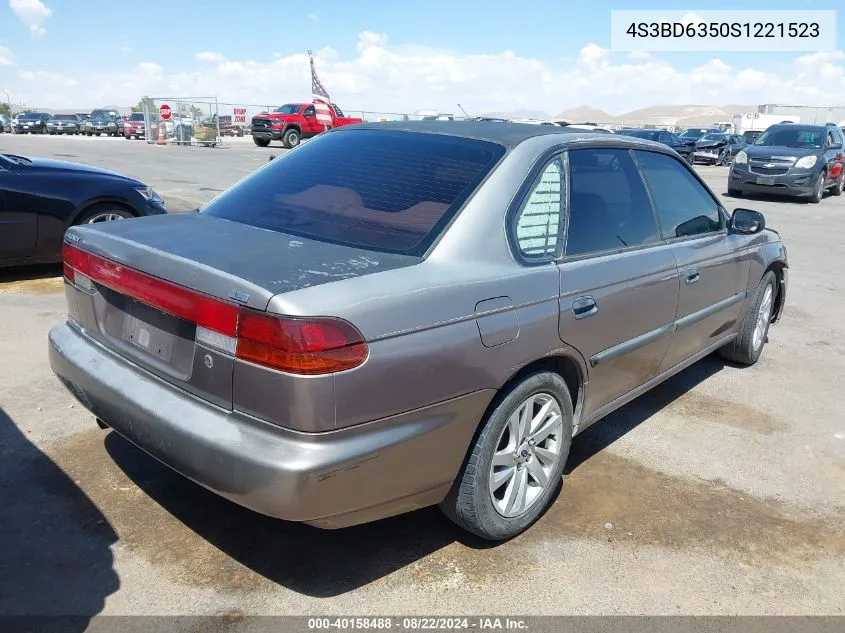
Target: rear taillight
{"points": [[299, 345], [296, 345]]}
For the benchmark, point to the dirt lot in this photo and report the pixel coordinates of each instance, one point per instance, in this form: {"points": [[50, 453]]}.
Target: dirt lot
{"points": [[720, 492]]}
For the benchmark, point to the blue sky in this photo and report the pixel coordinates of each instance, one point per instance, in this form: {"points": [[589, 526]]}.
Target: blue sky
{"points": [[85, 41]]}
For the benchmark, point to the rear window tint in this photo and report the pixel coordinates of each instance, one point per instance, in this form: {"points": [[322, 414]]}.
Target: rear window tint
{"points": [[380, 190]]}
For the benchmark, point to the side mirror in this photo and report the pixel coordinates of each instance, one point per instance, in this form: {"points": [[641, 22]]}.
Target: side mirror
{"points": [[835, 146], [747, 222]]}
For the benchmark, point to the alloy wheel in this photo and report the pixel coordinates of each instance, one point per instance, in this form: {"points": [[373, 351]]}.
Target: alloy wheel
{"points": [[764, 315], [106, 216], [527, 452]]}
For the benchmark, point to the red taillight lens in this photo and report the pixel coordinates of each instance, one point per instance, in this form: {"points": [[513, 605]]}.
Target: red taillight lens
{"points": [[299, 346], [295, 345], [166, 296]]}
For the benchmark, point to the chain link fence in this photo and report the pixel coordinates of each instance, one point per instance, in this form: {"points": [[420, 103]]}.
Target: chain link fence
{"points": [[178, 121]]}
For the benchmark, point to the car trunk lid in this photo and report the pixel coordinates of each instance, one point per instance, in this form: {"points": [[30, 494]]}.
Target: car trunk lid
{"points": [[165, 291]]}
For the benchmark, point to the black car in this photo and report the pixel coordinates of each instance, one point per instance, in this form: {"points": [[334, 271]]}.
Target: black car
{"points": [[717, 148], [791, 159], [751, 135], [103, 122], [31, 123], [63, 124], [40, 199], [683, 146]]}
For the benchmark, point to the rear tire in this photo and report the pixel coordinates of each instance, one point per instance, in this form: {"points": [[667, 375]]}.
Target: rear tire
{"points": [[528, 474], [747, 347]]}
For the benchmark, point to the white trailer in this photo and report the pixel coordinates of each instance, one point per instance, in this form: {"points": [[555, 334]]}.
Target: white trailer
{"points": [[757, 121]]}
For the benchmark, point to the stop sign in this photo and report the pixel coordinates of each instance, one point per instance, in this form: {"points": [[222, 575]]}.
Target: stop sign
{"points": [[164, 111]]}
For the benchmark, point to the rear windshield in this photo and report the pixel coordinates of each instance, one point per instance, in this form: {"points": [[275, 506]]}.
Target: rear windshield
{"points": [[376, 189]]}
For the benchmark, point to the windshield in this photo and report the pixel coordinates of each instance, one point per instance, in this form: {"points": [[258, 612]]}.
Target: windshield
{"points": [[651, 135], [289, 108], [397, 196], [136, 116], [103, 114], [792, 136], [713, 137], [31, 116], [65, 117], [693, 134]]}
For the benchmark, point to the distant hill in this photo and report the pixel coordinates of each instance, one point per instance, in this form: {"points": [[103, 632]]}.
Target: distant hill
{"points": [[690, 115], [519, 114], [585, 114]]}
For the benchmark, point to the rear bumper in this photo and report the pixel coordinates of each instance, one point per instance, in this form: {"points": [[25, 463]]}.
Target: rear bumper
{"points": [[801, 183], [330, 480]]}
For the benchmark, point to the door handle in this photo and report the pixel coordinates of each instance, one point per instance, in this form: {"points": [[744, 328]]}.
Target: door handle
{"points": [[691, 275], [582, 307]]}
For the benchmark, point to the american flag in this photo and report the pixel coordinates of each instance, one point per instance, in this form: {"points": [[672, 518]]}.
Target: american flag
{"points": [[322, 101], [317, 89]]}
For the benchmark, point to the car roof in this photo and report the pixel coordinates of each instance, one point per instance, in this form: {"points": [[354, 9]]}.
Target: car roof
{"points": [[806, 126], [507, 134]]}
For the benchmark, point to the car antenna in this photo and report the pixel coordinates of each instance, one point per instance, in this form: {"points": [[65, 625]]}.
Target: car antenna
{"points": [[464, 111]]}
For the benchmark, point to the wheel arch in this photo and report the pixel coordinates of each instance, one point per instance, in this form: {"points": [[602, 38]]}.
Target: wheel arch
{"points": [[778, 267], [85, 206]]}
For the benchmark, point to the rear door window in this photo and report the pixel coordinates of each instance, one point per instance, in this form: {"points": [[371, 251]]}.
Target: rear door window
{"points": [[609, 208], [684, 206], [376, 189]]}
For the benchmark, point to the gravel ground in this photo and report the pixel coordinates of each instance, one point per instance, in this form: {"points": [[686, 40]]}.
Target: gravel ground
{"points": [[720, 492]]}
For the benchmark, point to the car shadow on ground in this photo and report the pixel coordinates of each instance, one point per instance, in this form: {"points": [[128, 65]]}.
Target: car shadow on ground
{"points": [[54, 542], [762, 197], [606, 431], [29, 273], [322, 563]]}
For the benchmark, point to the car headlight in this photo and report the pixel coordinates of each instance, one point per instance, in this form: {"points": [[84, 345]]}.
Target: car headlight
{"points": [[150, 195], [741, 158], [806, 162]]}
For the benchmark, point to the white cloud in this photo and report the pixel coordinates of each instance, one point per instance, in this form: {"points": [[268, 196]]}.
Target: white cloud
{"points": [[6, 57], [150, 68], [691, 18], [312, 16], [32, 13], [126, 49], [381, 77], [209, 56], [639, 55], [54, 79]]}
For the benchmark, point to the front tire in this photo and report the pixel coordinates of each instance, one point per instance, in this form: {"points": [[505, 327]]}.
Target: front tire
{"points": [[818, 193], [104, 212], [261, 142], [747, 347], [515, 464], [291, 138]]}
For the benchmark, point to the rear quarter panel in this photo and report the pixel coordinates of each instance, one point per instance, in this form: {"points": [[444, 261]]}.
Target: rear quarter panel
{"points": [[421, 323]]}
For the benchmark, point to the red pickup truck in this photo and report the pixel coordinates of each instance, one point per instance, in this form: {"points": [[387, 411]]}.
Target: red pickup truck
{"points": [[293, 122]]}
